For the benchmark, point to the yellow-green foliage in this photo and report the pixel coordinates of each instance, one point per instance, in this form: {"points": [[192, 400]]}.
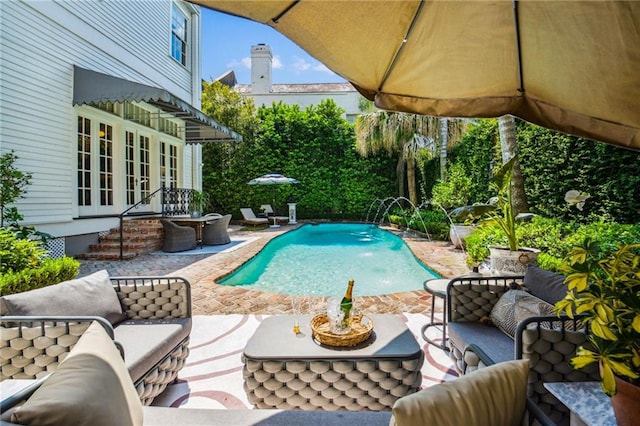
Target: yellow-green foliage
{"points": [[50, 271]]}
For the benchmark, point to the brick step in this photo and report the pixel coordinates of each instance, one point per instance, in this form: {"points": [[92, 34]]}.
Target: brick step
{"points": [[108, 255], [140, 236], [138, 228], [127, 245], [129, 236]]}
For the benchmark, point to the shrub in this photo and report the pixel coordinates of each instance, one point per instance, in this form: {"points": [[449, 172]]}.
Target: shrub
{"points": [[50, 271], [24, 265], [17, 254], [455, 191], [553, 237]]}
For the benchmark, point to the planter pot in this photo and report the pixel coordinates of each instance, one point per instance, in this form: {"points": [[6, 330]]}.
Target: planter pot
{"points": [[625, 403], [459, 233], [195, 214], [504, 261]]}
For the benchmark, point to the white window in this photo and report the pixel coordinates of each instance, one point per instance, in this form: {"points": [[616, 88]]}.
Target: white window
{"points": [[179, 35]]}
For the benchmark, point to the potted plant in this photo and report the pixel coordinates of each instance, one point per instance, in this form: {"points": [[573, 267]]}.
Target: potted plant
{"points": [[464, 221], [604, 287], [456, 191], [514, 258], [198, 201]]}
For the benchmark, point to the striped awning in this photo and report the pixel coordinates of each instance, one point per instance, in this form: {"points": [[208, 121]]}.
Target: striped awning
{"points": [[93, 88]]}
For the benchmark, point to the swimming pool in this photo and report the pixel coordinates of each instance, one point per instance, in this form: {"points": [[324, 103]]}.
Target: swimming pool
{"points": [[319, 259]]}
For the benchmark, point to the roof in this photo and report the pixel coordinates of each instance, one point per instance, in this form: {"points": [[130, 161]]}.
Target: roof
{"points": [[301, 88]]}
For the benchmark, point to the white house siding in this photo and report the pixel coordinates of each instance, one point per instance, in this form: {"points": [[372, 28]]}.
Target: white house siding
{"points": [[40, 41], [305, 95]]}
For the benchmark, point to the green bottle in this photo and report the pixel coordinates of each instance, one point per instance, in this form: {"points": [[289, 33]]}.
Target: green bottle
{"points": [[346, 304]]}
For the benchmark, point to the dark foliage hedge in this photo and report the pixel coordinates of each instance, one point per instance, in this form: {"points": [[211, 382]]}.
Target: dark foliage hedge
{"points": [[315, 146]]}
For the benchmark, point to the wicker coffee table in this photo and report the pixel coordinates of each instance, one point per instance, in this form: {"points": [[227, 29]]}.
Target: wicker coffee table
{"points": [[284, 370]]}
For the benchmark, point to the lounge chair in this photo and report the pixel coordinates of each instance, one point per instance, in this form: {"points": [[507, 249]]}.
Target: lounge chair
{"points": [[250, 218], [177, 237], [268, 210], [215, 232]]}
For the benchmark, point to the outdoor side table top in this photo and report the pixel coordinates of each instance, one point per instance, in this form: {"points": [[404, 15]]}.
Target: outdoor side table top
{"points": [[275, 339]]}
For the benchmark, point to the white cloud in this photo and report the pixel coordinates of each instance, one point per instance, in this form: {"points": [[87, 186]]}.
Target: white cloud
{"points": [[322, 68], [301, 64], [244, 62], [276, 62]]}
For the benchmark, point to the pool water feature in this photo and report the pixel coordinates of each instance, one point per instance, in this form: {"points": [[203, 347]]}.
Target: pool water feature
{"points": [[319, 260]]}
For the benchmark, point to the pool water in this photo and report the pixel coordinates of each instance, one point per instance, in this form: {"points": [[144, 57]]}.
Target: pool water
{"points": [[319, 259]]}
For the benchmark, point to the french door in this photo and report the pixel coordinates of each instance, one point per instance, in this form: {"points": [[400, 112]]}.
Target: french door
{"points": [[137, 160]]}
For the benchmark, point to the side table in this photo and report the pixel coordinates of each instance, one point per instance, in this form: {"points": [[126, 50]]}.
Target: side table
{"points": [[437, 288], [588, 404], [283, 370]]}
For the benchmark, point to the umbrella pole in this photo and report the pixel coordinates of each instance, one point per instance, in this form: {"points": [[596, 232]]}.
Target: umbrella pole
{"points": [[273, 201]]}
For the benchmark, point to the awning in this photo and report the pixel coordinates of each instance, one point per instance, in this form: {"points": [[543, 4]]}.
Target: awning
{"points": [[92, 88]]}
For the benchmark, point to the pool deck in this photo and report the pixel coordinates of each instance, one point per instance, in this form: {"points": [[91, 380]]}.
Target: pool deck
{"points": [[209, 298]]}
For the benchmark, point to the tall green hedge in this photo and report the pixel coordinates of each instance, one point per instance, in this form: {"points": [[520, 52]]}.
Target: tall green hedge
{"points": [[316, 146], [553, 163]]}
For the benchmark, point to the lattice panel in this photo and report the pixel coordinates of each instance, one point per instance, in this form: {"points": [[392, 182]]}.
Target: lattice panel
{"points": [[56, 248]]}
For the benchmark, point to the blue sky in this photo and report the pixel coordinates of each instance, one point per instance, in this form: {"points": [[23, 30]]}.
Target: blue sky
{"points": [[226, 45]]}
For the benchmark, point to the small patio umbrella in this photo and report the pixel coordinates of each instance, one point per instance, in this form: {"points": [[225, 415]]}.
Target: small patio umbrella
{"points": [[273, 179]]}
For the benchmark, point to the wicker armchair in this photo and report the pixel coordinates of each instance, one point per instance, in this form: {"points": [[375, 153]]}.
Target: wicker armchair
{"points": [[177, 237], [547, 342], [215, 232]]}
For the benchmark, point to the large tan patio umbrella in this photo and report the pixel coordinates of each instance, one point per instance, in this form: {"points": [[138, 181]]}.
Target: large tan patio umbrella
{"points": [[572, 66]]}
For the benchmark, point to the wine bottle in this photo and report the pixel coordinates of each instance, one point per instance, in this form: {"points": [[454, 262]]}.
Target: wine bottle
{"points": [[346, 304]]}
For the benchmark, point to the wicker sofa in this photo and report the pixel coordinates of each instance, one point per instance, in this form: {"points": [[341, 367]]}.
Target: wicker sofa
{"points": [[547, 341], [75, 394], [149, 317]]}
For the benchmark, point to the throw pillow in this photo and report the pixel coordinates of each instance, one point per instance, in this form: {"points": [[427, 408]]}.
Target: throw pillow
{"points": [[514, 306], [544, 284], [91, 387], [92, 295], [495, 395]]}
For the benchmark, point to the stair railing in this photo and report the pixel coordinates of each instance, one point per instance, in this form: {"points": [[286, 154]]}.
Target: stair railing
{"points": [[175, 201]]}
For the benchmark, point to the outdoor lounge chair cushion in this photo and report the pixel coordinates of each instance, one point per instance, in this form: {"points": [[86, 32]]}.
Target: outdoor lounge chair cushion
{"points": [[68, 298], [546, 285], [250, 217], [147, 342], [496, 344], [91, 387], [492, 396]]}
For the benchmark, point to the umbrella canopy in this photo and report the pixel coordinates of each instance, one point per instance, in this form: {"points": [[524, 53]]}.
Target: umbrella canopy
{"points": [[272, 179], [572, 66]]}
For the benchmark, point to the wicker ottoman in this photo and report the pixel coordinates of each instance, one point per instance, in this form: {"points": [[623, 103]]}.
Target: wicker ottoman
{"points": [[283, 370]]}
